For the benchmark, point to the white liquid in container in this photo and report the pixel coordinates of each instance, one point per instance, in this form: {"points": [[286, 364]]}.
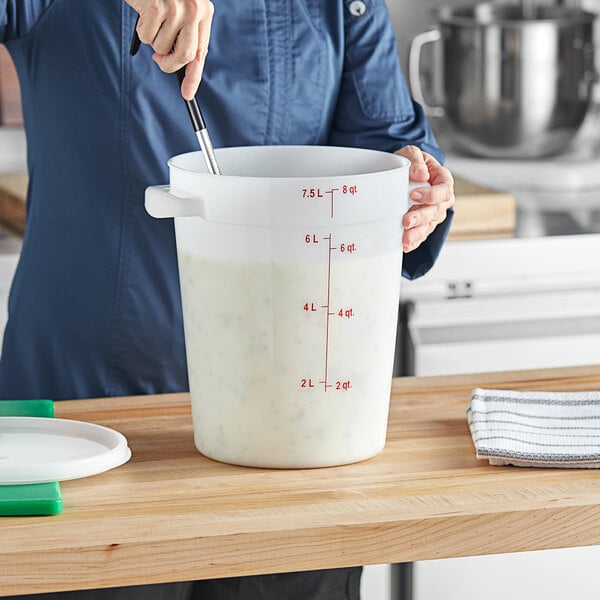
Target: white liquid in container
{"points": [[277, 382]]}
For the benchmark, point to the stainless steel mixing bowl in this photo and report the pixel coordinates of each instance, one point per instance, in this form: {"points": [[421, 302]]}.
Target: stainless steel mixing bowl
{"points": [[515, 84]]}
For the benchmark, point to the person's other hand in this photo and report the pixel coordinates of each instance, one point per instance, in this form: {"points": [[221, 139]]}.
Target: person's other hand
{"points": [[432, 202], [178, 31]]}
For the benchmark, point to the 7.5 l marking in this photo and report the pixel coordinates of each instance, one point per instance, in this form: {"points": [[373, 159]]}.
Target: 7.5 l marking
{"points": [[330, 194]]}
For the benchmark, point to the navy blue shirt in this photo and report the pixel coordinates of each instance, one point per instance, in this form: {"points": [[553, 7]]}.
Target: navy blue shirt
{"points": [[94, 308]]}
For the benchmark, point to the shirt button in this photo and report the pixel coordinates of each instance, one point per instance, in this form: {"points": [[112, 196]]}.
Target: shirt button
{"points": [[357, 8]]}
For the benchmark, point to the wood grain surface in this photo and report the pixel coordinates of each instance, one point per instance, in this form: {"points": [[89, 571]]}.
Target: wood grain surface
{"points": [[171, 514], [13, 197], [481, 212]]}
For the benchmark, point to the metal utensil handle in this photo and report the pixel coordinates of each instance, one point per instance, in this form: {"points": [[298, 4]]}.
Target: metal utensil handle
{"points": [[200, 129], [193, 110], [208, 151], [414, 70]]}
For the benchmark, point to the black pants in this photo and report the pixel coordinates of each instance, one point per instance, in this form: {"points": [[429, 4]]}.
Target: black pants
{"points": [[330, 584]]}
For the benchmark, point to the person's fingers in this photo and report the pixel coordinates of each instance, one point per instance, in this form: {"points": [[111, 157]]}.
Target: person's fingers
{"points": [[193, 75], [413, 238], [434, 194], [437, 172], [173, 38], [418, 165], [179, 33], [148, 24], [432, 202], [184, 50], [195, 67], [425, 214], [441, 184], [421, 220]]}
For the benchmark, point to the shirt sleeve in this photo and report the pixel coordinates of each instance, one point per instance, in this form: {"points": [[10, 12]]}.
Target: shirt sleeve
{"points": [[18, 17], [375, 108]]}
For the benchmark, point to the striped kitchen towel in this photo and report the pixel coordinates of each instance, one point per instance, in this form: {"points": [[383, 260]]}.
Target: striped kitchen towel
{"points": [[536, 429]]}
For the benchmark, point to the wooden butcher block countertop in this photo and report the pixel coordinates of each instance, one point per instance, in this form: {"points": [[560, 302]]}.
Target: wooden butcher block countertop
{"points": [[479, 212], [171, 514], [13, 195]]}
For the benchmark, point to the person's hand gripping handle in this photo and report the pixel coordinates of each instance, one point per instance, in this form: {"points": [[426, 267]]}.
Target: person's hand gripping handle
{"points": [[178, 31]]}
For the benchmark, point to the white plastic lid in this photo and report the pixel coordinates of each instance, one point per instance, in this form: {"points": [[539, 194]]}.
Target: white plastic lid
{"points": [[40, 450]]}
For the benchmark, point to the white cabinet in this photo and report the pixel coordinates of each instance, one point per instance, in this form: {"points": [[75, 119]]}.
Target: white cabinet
{"points": [[498, 305], [547, 575], [518, 331]]}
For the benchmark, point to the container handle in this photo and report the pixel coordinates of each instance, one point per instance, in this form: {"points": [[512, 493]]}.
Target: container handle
{"points": [[414, 70], [161, 203]]}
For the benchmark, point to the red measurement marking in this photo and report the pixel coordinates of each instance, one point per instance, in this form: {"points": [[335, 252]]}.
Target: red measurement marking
{"points": [[331, 192], [328, 314], [312, 193], [309, 307], [307, 383], [325, 384], [343, 385]]}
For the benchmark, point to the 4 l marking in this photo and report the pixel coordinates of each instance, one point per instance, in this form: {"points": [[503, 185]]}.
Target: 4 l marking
{"points": [[310, 307]]}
